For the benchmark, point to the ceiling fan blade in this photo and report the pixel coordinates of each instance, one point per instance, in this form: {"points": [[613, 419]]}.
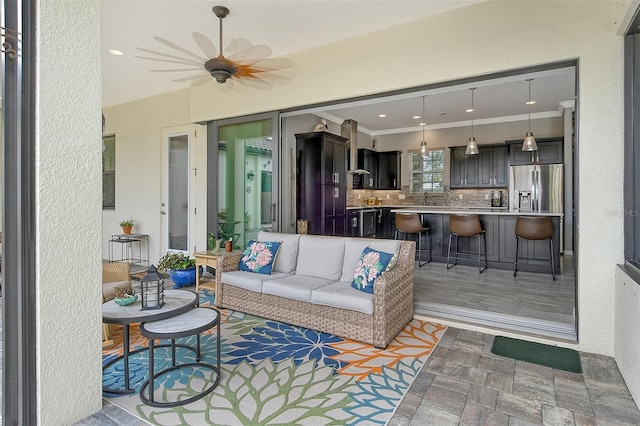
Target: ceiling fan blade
{"points": [[160, 55], [238, 44], [205, 44], [253, 81], [191, 77], [270, 64], [179, 48], [206, 78], [253, 53]]}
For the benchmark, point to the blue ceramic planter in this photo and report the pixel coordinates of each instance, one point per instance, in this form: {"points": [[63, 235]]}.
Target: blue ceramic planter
{"points": [[184, 277]]}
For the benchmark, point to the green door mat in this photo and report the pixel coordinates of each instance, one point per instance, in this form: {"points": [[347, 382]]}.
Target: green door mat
{"points": [[537, 353]]}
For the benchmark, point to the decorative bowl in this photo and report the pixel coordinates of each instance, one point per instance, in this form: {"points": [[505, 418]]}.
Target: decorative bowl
{"points": [[124, 301]]}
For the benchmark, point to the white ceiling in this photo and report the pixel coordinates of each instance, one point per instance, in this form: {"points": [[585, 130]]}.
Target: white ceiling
{"points": [[293, 25]]}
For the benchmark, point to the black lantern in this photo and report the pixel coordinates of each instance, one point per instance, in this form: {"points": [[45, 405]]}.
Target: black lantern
{"points": [[152, 289]]}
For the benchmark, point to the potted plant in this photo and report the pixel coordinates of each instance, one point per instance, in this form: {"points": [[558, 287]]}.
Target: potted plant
{"points": [[127, 225], [180, 267]]}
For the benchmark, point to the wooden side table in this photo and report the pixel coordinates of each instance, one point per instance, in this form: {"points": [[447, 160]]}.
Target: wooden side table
{"points": [[208, 258]]}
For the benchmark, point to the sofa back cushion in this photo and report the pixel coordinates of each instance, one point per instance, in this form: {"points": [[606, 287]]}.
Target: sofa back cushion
{"points": [[321, 257], [288, 253], [353, 248]]}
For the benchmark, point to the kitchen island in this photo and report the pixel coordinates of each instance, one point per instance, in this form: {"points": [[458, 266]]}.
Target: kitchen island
{"points": [[499, 225]]}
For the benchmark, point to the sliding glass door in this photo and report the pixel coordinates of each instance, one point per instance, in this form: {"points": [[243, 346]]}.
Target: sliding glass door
{"points": [[244, 174]]}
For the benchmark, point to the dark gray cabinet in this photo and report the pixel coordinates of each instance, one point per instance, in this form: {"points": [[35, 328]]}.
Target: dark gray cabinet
{"points": [[321, 172], [550, 151], [463, 169], [389, 170], [494, 167], [367, 160]]}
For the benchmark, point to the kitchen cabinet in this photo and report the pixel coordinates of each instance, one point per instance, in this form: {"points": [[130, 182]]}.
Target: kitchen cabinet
{"points": [[550, 151], [493, 167], [321, 171], [367, 160], [464, 169], [389, 170]]}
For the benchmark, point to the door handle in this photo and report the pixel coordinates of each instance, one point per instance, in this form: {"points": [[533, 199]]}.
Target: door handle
{"points": [[354, 222], [273, 212], [336, 192], [163, 212]]}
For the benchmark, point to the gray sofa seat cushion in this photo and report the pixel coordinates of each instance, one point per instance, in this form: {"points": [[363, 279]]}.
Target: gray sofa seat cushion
{"points": [[320, 257], [342, 295], [248, 280], [287, 254], [296, 287], [353, 248]]}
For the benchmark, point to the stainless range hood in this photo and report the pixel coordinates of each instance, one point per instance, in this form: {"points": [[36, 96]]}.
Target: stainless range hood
{"points": [[349, 130]]}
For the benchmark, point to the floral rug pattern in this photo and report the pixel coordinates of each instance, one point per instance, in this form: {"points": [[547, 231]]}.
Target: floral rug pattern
{"points": [[274, 373]]}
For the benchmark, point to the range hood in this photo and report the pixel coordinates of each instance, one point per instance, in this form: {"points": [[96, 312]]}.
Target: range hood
{"points": [[349, 130]]}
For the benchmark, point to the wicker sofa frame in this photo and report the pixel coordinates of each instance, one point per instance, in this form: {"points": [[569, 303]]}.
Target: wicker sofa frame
{"points": [[393, 303]]}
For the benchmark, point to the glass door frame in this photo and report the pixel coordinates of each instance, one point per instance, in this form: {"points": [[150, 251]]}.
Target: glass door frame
{"points": [[213, 155]]}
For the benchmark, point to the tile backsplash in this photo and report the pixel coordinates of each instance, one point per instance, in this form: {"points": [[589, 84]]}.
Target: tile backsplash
{"points": [[451, 197]]}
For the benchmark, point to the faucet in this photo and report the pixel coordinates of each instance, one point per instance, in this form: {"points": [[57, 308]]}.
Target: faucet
{"points": [[424, 200]]}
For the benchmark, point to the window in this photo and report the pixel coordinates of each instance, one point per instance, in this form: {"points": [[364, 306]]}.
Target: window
{"points": [[427, 172], [109, 172]]}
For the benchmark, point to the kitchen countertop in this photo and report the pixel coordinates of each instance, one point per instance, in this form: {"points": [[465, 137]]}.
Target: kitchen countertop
{"points": [[504, 211]]}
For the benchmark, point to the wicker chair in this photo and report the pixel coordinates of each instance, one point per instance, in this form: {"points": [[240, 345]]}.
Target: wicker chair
{"points": [[114, 274]]}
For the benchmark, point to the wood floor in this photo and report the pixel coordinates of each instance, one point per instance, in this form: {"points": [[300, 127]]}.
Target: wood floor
{"points": [[531, 302]]}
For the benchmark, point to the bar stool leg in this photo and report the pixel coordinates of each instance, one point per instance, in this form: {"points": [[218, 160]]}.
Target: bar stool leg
{"points": [[515, 263], [553, 269], [420, 250], [429, 246], [486, 263], [449, 252]]}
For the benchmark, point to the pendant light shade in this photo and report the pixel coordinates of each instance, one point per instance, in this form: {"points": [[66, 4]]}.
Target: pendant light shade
{"points": [[472, 146], [529, 143], [423, 144]]}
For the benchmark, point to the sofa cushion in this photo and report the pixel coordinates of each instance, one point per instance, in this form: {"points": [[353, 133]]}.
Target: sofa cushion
{"points": [[297, 287], [372, 263], [259, 256], [320, 257], [353, 248], [342, 295], [288, 253], [248, 280]]}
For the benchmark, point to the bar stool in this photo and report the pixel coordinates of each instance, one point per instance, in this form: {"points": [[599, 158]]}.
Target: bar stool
{"points": [[466, 225], [410, 223], [535, 228]]}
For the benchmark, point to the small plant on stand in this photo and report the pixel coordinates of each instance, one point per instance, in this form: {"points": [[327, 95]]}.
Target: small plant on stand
{"points": [[127, 225]]}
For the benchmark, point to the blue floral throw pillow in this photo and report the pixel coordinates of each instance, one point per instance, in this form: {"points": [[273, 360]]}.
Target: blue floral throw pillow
{"points": [[259, 256], [372, 263]]}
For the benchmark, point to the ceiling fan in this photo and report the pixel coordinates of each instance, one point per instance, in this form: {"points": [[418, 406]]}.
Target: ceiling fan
{"points": [[247, 64]]}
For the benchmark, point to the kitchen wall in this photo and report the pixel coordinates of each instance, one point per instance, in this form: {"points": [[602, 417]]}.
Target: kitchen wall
{"points": [[450, 197]]}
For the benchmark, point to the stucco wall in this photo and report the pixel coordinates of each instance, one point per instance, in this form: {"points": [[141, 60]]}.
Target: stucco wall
{"points": [[68, 199]]}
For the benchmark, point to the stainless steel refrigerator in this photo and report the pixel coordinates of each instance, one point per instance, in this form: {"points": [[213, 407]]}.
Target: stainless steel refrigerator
{"points": [[537, 187]]}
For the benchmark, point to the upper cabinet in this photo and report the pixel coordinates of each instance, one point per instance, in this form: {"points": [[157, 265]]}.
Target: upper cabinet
{"points": [[367, 160], [383, 167], [388, 170], [550, 151], [464, 169], [494, 167]]}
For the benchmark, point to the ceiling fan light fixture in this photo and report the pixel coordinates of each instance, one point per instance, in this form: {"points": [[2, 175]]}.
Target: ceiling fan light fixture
{"points": [[221, 76], [472, 146], [529, 143]]}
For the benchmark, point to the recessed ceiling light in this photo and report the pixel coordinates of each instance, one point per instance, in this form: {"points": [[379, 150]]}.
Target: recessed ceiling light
{"points": [[423, 124], [116, 52], [415, 117], [382, 115], [530, 102], [470, 110], [441, 113]]}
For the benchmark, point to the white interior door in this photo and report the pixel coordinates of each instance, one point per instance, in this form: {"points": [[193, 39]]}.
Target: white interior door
{"points": [[179, 207]]}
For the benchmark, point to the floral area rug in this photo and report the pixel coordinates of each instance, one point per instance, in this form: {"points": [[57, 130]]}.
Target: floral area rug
{"points": [[274, 373]]}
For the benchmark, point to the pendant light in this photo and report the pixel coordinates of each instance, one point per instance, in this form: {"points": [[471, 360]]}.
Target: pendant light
{"points": [[423, 144], [529, 143], [472, 146]]}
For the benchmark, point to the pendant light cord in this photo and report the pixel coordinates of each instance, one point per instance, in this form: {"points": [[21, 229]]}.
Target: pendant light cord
{"points": [[529, 105], [424, 117], [472, 109]]}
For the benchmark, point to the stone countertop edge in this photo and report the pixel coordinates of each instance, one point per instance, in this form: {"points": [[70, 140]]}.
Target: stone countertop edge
{"points": [[479, 211]]}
